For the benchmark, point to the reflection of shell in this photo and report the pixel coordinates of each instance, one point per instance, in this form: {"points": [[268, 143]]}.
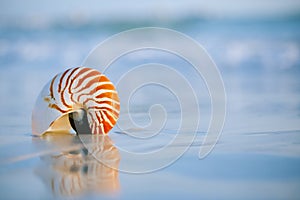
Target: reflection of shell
{"points": [[71, 169], [70, 92]]}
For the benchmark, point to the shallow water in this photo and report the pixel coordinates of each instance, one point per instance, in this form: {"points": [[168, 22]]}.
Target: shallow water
{"points": [[256, 157], [58, 167]]}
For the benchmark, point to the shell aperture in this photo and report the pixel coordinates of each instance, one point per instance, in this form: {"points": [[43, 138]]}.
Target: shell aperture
{"points": [[76, 98]]}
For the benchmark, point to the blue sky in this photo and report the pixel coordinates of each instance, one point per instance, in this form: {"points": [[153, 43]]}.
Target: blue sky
{"points": [[148, 9]]}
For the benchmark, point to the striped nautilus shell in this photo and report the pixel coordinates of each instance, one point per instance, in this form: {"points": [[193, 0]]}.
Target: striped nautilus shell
{"points": [[81, 99]]}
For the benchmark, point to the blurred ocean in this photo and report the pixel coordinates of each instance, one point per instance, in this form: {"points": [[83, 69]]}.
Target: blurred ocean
{"points": [[258, 154]]}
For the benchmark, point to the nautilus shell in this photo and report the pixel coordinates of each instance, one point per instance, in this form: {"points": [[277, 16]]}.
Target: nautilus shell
{"points": [[81, 99]]}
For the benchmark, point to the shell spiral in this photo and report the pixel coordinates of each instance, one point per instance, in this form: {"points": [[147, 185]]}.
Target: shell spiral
{"points": [[72, 91]]}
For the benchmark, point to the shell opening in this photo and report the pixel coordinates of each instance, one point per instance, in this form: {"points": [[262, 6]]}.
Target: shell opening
{"points": [[72, 122], [79, 122], [60, 125]]}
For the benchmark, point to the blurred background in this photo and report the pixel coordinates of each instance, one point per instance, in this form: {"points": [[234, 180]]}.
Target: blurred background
{"points": [[255, 44]]}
